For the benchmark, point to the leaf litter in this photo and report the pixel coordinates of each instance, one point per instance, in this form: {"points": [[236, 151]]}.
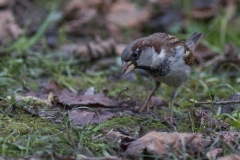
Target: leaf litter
{"points": [[83, 108]]}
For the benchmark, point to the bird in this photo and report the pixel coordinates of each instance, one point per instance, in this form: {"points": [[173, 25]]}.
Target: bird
{"points": [[166, 58]]}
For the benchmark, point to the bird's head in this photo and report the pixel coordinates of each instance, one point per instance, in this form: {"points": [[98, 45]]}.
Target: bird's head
{"points": [[137, 54]]}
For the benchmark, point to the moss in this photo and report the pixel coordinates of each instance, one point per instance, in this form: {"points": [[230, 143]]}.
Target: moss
{"points": [[140, 90], [131, 123], [23, 123]]}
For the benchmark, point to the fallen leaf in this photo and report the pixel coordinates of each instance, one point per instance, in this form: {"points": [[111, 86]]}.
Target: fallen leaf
{"points": [[159, 144], [163, 3], [83, 17], [214, 153], [81, 118], [229, 137], [70, 99], [167, 21], [52, 87], [9, 29], [156, 101], [205, 9], [4, 3], [202, 118], [230, 157], [120, 48], [197, 145], [91, 50], [75, 9], [102, 158], [126, 14], [129, 103]]}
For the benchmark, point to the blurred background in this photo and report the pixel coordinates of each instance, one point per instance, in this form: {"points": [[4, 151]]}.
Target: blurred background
{"points": [[77, 44]]}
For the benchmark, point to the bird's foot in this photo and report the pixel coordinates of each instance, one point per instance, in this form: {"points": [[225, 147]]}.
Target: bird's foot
{"points": [[145, 106]]}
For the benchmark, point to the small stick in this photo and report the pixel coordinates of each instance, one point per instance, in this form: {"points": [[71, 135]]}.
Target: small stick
{"points": [[216, 103], [119, 94]]}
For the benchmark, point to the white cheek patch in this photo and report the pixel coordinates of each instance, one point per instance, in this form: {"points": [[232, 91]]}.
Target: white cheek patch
{"points": [[162, 54], [158, 57]]}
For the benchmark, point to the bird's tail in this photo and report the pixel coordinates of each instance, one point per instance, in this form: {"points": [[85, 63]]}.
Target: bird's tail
{"points": [[194, 39]]}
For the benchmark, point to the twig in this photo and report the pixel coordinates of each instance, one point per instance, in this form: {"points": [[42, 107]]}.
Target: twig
{"points": [[216, 103], [119, 94]]}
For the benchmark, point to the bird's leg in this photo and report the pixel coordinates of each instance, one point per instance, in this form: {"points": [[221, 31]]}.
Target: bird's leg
{"points": [[145, 105], [173, 95]]}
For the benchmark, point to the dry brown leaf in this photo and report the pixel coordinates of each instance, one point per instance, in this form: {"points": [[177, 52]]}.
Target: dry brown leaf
{"points": [[76, 8], [158, 144], [230, 157], [120, 48], [197, 144], [205, 9], [229, 137], [4, 3], [205, 119], [82, 118], [70, 99], [102, 158], [165, 20], [92, 50], [87, 17], [214, 153], [156, 101], [8, 26], [163, 3], [126, 14]]}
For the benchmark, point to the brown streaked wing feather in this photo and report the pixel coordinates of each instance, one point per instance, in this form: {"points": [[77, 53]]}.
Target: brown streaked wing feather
{"points": [[189, 57], [174, 42], [166, 41]]}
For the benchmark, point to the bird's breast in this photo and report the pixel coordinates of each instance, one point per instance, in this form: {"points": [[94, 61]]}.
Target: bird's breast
{"points": [[162, 69], [177, 75]]}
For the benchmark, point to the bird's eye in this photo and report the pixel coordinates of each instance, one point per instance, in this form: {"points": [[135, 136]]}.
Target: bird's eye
{"points": [[135, 54]]}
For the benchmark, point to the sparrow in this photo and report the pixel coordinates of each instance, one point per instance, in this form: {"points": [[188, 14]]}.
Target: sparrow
{"points": [[165, 58]]}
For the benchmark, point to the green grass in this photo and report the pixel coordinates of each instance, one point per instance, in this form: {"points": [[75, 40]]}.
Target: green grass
{"points": [[23, 135]]}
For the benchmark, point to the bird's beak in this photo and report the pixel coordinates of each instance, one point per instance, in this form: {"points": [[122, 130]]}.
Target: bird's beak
{"points": [[127, 67]]}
